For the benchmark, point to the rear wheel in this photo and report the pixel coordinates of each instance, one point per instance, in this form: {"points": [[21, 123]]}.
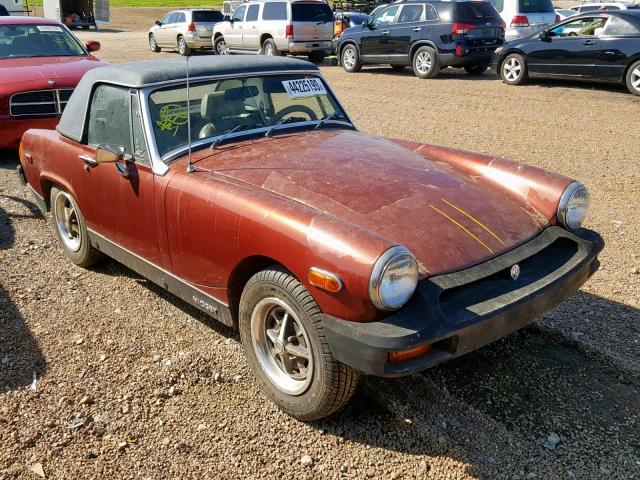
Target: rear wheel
{"points": [[350, 59], [153, 45], [220, 46], [476, 68], [633, 78], [426, 63], [281, 332], [316, 57], [70, 229], [183, 48], [513, 70], [269, 48]]}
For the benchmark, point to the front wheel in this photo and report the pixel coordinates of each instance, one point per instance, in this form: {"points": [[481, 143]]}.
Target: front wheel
{"points": [[282, 335], [183, 48], [513, 70], [153, 45], [70, 229], [633, 78], [270, 49], [426, 63], [220, 46], [476, 68], [350, 59]]}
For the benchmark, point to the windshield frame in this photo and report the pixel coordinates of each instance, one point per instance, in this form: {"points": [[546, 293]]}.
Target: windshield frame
{"points": [[65, 29], [196, 144]]}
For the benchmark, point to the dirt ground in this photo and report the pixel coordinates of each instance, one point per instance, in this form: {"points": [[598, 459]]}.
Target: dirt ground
{"points": [[103, 375]]}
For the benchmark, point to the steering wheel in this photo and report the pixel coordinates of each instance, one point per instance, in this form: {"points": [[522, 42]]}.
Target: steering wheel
{"points": [[295, 109]]}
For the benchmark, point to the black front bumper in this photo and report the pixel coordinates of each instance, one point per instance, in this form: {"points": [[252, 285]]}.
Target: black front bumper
{"points": [[465, 310]]}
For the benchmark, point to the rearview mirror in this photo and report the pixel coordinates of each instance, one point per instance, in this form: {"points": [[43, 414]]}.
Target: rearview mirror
{"points": [[109, 153], [545, 36], [226, 18], [92, 46], [158, 23]]}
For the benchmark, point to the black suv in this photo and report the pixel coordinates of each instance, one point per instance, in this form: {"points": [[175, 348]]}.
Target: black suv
{"points": [[428, 35]]}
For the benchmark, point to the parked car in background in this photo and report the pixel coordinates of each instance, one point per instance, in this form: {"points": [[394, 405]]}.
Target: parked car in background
{"points": [[524, 17], [428, 35], [405, 256], [185, 30], [563, 13], [344, 20], [611, 6], [602, 46], [41, 62], [277, 27]]}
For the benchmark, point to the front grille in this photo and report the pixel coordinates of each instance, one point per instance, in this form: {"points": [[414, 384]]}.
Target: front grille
{"points": [[39, 102]]}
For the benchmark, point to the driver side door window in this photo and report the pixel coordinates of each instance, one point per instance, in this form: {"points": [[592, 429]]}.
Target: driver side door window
{"points": [[376, 43]]}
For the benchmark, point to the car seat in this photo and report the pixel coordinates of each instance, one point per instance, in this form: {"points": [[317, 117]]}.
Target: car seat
{"points": [[222, 114]]}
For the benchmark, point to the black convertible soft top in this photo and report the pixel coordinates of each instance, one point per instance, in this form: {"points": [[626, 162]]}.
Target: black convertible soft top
{"points": [[154, 72]]}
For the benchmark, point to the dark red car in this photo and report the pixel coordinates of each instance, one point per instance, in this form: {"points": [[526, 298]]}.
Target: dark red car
{"points": [[41, 62], [252, 196]]}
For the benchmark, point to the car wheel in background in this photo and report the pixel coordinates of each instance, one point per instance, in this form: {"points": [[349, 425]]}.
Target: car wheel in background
{"points": [[350, 59], [425, 62], [70, 229], [282, 335], [153, 46], [633, 78], [183, 48], [476, 68], [220, 46], [269, 48], [513, 70], [316, 57]]}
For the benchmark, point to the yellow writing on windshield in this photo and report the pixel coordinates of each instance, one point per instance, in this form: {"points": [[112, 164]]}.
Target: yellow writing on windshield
{"points": [[172, 117]]}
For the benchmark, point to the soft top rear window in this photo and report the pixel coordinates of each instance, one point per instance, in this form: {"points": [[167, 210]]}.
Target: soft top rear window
{"points": [[474, 11], [311, 12], [536, 6], [207, 16]]}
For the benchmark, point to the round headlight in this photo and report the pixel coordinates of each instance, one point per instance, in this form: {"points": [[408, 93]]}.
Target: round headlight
{"points": [[573, 206], [393, 279]]}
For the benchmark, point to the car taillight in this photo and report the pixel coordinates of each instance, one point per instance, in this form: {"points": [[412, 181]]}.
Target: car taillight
{"points": [[459, 51], [461, 28], [520, 21], [558, 18], [289, 31], [191, 27]]}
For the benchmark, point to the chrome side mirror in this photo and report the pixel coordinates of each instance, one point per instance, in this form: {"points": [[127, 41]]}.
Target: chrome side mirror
{"points": [[109, 153]]}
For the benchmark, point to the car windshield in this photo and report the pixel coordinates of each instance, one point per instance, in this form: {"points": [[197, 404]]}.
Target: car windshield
{"points": [[311, 12], [536, 6], [239, 106], [207, 16], [18, 41]]}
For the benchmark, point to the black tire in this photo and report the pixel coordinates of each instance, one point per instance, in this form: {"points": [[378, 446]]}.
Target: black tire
{"points": [[632, 78], [269, 48], [513, 70], [476, 68], [330, 384], [425, 62], [85, 254], [316, 57], [350, 59], [183, 48], [220, 46], [153, 45]]}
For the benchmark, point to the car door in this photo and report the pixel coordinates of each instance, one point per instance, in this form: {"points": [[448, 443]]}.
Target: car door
{"points": [[118, 199], [375, 44], [179, 20], [569, 50], [162, 33], [233, 34], [618, 42], [250, 32], [406, 27]]}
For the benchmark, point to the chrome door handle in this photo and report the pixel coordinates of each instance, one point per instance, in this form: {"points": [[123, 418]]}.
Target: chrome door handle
{"points": [[386, 32], [589, 42], [417, 29], [88, 160]]}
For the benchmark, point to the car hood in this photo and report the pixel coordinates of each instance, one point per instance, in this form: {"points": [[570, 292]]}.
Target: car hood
{"points": [[447, 219], [66, 70]]}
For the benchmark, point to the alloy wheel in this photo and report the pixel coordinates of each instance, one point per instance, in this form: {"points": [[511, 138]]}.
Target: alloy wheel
{"points": [[268, 49], [66, 218], [221, 47], [349, 58], [182, 45], [282, 346], [512, 69], [423, 62], [635, 78], [152, 43]]}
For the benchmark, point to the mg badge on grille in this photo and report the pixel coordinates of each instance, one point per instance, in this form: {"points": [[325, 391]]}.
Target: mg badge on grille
{"points": [[515, 272]]}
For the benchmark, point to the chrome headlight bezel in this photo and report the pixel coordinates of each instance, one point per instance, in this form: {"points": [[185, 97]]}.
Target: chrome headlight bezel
{"points": [[386, 260], [570, 195]]}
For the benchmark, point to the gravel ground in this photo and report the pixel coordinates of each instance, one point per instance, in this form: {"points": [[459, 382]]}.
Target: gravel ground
{"points": [[102, 375]]}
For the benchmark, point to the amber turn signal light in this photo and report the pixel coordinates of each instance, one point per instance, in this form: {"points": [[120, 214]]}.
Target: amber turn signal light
{"points": [[325, 280], [410, 353]]}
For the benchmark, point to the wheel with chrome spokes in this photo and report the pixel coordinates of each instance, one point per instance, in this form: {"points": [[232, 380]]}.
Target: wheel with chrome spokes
{"points": [[425, 62], [633, 78], [70, 229], [220, 46], [513, 70], [281, 331], [350, 59]]}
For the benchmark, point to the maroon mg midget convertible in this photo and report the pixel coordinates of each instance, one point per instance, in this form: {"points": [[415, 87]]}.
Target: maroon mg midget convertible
{"points": [[252, 196]]}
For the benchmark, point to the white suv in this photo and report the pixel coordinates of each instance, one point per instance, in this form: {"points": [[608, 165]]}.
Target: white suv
{"points": [[277, 27], [524, 17]]}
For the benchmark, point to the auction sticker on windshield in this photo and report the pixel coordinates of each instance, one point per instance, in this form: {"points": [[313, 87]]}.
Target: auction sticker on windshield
{"points": [[305, 87], [49, 28]]}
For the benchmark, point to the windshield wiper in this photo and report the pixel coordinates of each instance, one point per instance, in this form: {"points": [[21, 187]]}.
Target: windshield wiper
{"points": [[284, 121], [326, 118], [223, 137]]}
